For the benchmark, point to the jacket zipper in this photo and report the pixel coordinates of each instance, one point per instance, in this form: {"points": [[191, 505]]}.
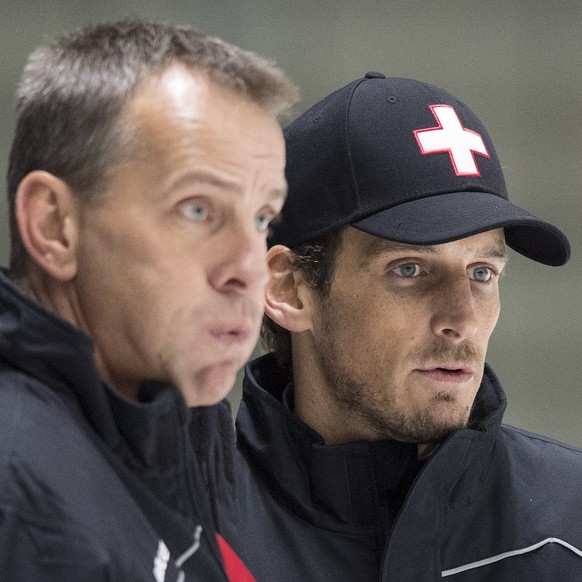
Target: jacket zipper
{"points": [[191, 463]]}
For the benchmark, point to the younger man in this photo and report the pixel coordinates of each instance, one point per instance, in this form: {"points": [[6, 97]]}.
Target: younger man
{"points": [[371, 440]]}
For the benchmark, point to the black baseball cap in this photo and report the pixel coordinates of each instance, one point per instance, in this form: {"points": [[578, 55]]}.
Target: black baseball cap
{"points": [[406, 161]]}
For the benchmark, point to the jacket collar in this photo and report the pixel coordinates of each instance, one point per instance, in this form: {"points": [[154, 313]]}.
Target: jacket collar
{"points": [[341, 485]]}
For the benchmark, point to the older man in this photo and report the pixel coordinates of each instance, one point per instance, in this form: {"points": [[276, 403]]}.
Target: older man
{"points": [[146, 168]]}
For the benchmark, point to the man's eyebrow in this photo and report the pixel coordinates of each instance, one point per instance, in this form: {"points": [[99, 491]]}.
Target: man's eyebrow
{"points": [[496, 252], [201, 176], [279, 193], [211, 179], [384, 246]]}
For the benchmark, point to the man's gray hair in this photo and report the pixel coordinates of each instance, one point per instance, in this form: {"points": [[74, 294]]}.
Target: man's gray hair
{"points": [[72, 93]]}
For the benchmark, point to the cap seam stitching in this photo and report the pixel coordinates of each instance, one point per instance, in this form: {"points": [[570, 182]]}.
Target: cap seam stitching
{"points": [[349, 150]]}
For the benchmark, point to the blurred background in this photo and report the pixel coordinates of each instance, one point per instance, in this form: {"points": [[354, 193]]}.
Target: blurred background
{"points": [[517, 64]]}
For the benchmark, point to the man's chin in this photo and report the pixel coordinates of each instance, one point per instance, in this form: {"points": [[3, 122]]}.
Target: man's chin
{"points": [[210, 385]]}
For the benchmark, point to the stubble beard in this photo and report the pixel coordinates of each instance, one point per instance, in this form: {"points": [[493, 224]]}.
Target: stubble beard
{"points": [[386, 421], [370, 402]]}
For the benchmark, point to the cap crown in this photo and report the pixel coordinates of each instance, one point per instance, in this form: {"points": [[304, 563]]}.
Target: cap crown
{"points": [[357, 152], [406, 161]]}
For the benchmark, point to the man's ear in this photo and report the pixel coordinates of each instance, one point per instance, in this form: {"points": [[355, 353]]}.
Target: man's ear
{"points": [[285, 298], [47, 217]]}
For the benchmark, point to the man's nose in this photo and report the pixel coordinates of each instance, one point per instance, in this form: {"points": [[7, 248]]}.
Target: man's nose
{"points": [[241, 260], [455, 312]]}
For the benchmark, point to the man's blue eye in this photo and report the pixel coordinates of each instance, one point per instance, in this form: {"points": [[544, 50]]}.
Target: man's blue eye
{"points": [[482, 274], [262, 221], [408, 270], [196, 212]]}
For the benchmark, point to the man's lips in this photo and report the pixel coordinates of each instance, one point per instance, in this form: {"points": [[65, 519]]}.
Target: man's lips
{"points": [[230, 334], [455, 372]]}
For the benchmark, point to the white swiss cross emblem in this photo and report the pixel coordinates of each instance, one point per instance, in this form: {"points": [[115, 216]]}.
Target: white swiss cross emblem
{"points": [[450, 136]]}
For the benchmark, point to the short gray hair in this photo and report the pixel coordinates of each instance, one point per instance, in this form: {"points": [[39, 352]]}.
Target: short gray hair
{"points": [[72, 93]]}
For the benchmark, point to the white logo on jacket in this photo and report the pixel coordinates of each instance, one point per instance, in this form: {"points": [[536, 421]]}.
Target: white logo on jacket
{"points": [[161, 562], [163, 556]]}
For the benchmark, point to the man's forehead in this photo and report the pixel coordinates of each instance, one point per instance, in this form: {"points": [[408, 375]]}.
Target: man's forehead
{"points": [[489, 243]]}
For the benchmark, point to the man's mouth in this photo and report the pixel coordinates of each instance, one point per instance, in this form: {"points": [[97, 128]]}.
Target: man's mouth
{"points": [[456, 373], [230, 333]]}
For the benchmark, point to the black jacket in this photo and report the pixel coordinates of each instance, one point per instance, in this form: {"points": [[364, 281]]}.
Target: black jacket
{"points": [[493, 503], [94, 487]]}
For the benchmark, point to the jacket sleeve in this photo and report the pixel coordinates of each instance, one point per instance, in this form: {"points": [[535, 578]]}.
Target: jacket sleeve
{"points": [[31, 549]]}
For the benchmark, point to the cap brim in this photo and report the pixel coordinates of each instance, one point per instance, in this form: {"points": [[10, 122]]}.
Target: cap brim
{"points": [[448, 217]]}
